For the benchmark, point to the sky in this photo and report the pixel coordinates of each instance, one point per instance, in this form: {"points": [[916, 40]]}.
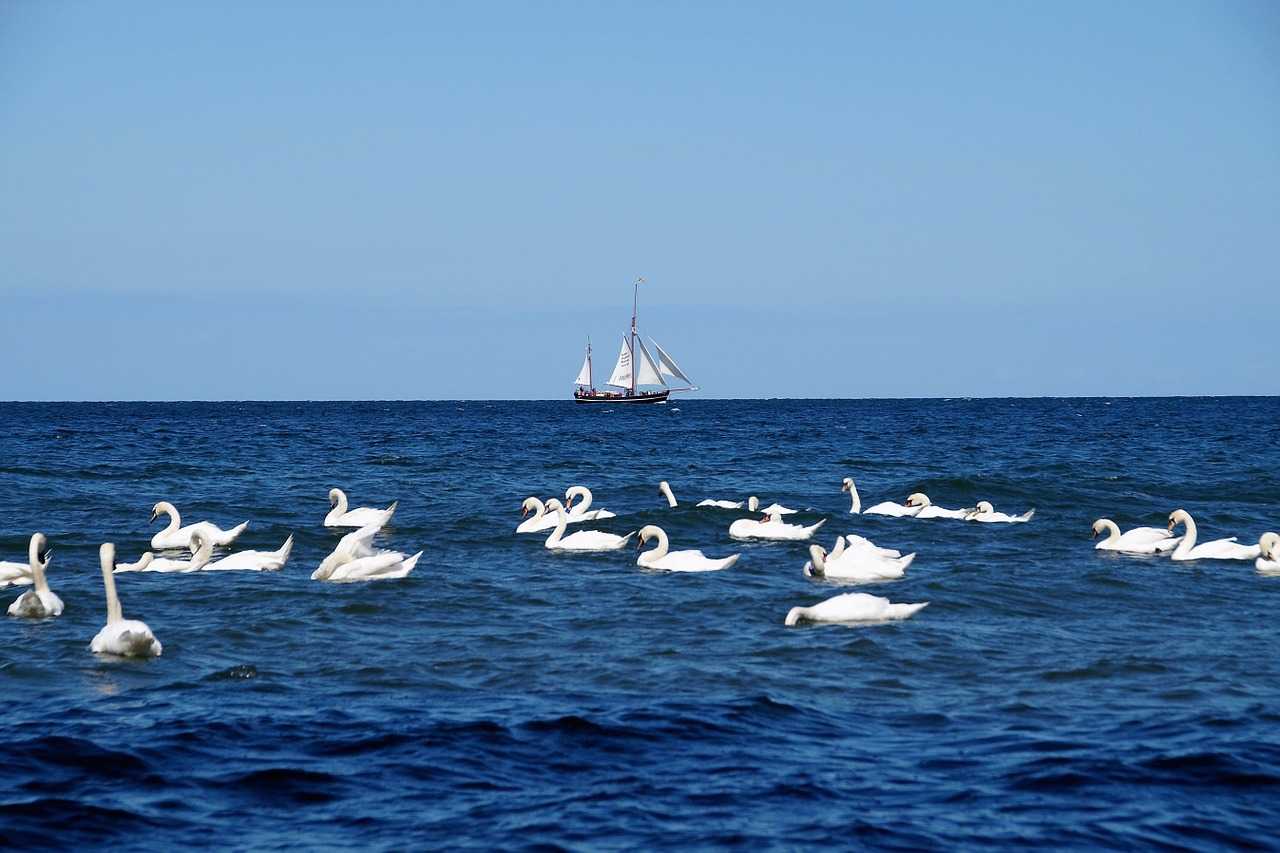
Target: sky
{"points": [[441, 200]]}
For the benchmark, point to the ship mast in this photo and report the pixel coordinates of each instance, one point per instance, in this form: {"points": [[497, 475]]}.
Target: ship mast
{"points": [[635, 309]]}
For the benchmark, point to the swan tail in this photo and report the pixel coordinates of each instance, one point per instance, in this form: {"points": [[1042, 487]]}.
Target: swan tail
{"points": [[410, 563], [1026, 516], [283, 553]]}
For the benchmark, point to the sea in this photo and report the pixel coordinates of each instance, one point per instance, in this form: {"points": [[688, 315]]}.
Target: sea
{"points": [[504, 696]]}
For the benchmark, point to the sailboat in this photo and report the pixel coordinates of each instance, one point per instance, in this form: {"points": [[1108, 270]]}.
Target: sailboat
{"points": [[636, 367]]}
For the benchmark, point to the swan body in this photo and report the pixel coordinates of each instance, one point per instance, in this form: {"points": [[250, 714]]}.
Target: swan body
{"points": [[252, 561], [862, 565], [771, 527], [1268, 562], [676, 561], [176, 536], [856, 541], [120, 636], [664, 489], [40, 601], [985, 512], [753, 504], [1139, 540], [22, 574], [1217, 549], [382, 565], [583, 512], [583, 540], [924, 508], [201, 553], [853, 607], [340, 516]]}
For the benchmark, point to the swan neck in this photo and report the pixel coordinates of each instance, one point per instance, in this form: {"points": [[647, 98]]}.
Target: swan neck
{"points": [[666, 490], [108, 558]]}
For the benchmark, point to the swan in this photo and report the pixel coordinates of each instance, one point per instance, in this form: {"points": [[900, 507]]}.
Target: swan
{"points": [[201, 553], [860, 564], [356, 544], [340, 516], [39, 602], [1217, 549], [884, 508], [583, 540], [541, 520], [753, 504], [985, 512], [771, 527], [924, 508], [582, 512], [252, 561], [664, 489], [176, 536], [676, 561], [853, 607], [1139, 540], [856, 541], [121, 636], [1268, 562], [354, 559], [22, 574]]}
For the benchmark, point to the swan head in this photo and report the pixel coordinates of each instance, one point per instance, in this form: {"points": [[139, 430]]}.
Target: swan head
{"points": [[918, 499], [334, 496], [847, 484], [1179, 516], [1269, 545], [1099, 526], [531, 505], [983, 506], [818, 559], [753, 503], [649, 531], [38, 552], [162, 507]]}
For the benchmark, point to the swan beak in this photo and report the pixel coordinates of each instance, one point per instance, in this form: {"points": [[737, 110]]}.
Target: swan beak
{"points": [[154, 515]]}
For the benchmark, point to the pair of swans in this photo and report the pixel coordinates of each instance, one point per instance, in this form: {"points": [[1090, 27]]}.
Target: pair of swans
{"points": [[917, 505], [676, 561], [753, 502], [544, 520], [856, 559], [120, 636], [340, 516], [771, 527], [852, 607], [355, 559], [175, 535], [39, 601], [1139, 540], [201, 559], [1216, 549], [583, 540], [13, 573]]}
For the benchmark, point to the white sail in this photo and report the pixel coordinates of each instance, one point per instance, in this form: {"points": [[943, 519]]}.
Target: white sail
{"points": [[622, 370], [584, 375], [647, 372], [667, 366]]}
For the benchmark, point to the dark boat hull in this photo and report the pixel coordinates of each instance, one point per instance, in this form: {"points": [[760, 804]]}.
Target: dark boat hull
{"points": [[655, 397]]}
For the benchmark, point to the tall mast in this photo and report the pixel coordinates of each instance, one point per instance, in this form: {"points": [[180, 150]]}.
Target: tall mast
{"points": [[635, 309]]}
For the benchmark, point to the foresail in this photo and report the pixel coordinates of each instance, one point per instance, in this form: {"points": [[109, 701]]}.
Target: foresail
{"points": [[584, 375], [647, 373], [667, 366], [621, 377]]}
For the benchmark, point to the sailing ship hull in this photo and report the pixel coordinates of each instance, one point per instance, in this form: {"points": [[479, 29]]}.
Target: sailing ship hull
{"points": [[653, 397]]}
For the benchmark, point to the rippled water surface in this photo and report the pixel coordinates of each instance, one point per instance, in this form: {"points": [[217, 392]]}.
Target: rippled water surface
{"points": [[507, 697]]}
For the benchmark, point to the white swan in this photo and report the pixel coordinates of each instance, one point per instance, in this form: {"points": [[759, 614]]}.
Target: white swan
{"points": [[861, 564], [175, 535], [1268, 562], [541, 520], [753, 504], [985, 512], [664, 489], [355, 559], [883, 508], [1139, 540], [21, 574], [201, 553], [856, 541], [583, 512], [583, 540], [771, 527], [924, 508], [39, 602], [340, 516], [676, 561], [121, 636], [1217, 549], [853, 607], [252, 561]]}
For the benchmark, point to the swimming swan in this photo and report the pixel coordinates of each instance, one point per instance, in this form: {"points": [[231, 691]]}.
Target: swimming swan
{"points": [[1217, 549], [175, 535], [21, 574], [853, 607], [676, 561], [252, 561], [583, 540], [860, 565], [985, 512], [924, 508], [354, 559], [664, 489], [39, 602], [771, 527], [127, 637], [1268, 562], [340, 516], [883, 508], [201, 553], [583, 512], [753, 504], [1139, 540]]}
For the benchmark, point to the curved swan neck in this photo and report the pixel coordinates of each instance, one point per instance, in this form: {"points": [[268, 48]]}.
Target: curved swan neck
{"points": [[166, 508], [1189, 538], [1111, 528], [107, 556], [579, 491], [659, 551], [853, 495], [562, 521], [665, 489], [817, 556]]}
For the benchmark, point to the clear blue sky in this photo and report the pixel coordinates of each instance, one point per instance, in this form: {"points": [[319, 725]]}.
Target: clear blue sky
{"points": [[418, 200]]}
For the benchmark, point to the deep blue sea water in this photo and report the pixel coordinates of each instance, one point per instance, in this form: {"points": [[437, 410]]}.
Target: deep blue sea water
{"points": [[507, 697]]}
